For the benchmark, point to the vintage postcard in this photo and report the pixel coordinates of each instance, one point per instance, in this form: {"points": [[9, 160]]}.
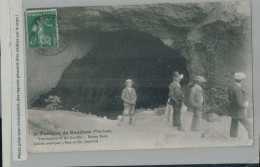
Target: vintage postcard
{"points": [[152, 76]]}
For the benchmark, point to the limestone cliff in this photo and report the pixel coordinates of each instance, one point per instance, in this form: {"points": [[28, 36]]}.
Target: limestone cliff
{"points": [[210, 39]]}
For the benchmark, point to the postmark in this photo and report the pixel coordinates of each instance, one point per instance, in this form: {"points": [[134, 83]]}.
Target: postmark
{"points": [[63, 38]]}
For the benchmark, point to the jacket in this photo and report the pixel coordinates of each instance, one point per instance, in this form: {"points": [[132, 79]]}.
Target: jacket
{"points": [[129, 97], [197, 97], [238, 101], [175, 93]]}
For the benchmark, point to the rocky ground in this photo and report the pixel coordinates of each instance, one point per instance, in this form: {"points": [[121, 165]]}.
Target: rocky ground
{"points": [[148, 132]]}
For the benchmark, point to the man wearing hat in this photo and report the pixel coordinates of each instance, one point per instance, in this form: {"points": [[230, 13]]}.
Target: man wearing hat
{"points": [[238, 106], [168, 115], [129, 98], [176, 98], [197, 100]]}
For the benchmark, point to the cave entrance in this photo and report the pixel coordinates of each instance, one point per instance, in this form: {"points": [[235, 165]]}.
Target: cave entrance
{"points": [[94, 82]]}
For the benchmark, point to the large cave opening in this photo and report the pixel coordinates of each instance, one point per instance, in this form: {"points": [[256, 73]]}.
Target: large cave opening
{"points": [[94, 82]]}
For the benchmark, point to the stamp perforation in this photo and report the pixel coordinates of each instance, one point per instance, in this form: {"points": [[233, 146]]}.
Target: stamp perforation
{"points": [[27, 28]]}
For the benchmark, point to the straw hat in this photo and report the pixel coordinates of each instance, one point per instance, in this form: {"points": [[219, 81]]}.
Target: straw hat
{"points": [[129, 80], [239, 76], [200, 79]]}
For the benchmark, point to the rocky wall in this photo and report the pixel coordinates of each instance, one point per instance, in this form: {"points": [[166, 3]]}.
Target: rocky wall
{"points": [[213, 38]]}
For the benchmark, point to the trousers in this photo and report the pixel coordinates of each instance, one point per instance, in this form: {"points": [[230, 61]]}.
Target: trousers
{"points": [[197, 115], [245, 122], [177, 115], [129, 109], [168, 115]]}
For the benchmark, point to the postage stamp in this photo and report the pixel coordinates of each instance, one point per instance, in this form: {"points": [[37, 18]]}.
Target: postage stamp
{"points": [[42, 28]]}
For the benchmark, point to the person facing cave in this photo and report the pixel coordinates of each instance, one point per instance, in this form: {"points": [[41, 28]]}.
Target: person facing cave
{"points": [[238, 106], [129, 98], [197, 101]]}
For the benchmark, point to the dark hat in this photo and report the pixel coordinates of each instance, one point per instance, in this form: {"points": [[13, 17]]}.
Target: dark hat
{"points": [[175, 74]]}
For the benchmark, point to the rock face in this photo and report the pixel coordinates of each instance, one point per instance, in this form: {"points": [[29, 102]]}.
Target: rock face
{"points": [[145, 43], [95, 81]]}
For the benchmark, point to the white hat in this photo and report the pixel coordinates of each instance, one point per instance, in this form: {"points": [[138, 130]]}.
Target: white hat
{"points": [[239, 75], [129, 80], [200, 78]]}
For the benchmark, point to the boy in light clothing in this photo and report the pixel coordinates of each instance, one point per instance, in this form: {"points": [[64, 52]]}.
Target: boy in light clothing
{"points": [[197, 100], [129, 98]]}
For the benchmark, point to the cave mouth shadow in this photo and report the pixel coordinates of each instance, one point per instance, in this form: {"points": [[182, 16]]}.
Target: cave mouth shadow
{"points": [[93, 84]]}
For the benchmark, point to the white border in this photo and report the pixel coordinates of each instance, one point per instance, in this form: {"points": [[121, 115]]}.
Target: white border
{"points": [[19, 150], [6, 83]]}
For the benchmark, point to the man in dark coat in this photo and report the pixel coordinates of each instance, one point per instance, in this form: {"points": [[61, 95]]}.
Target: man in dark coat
{"points": [[238, 107], [176, 98]]}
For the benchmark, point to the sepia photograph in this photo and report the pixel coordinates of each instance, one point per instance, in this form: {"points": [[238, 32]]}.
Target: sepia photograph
{"points": [[151, 76]]}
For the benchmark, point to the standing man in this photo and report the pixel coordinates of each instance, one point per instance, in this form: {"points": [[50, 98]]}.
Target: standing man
{"points": [[129, 98], [197, 100], [168, 115], [238, 106], [176, 98]]}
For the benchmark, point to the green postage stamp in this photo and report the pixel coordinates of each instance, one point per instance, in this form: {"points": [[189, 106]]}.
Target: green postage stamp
{"points": [[42, 28]]}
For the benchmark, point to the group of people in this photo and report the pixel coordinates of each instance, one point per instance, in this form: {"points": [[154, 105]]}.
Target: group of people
{"points": [[176, 107]]}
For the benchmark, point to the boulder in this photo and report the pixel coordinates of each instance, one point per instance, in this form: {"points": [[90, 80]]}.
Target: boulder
{"points": [[212, 117]]}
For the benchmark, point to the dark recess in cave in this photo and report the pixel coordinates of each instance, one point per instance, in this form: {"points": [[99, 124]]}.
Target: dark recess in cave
{"points": [[94, 82]]}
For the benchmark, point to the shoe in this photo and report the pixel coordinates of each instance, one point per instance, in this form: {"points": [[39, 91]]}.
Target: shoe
{"points": [[119, 123], [180, 128], [194, 130], [131, 123]]}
